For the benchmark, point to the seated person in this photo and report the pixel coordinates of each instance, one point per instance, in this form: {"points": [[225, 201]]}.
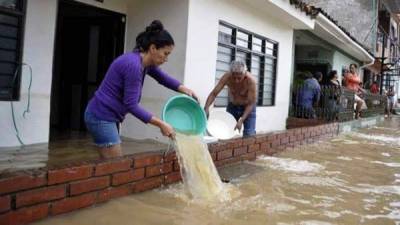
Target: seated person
{"points": [[374, 89], [352, 82]]}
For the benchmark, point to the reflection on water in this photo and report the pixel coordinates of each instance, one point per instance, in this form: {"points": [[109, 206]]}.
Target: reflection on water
{"points": [[353, 179]]}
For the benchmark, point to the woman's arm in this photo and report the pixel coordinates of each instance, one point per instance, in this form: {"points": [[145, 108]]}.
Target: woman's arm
{"points": [[170, 82], [163, 78], [165, 128]]}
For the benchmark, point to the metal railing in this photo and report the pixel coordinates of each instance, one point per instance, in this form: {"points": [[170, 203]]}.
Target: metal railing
{"points": [[332, 104]]}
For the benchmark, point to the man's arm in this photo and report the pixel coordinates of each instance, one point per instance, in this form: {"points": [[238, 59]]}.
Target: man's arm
{"points": [[252, 97], [217, 89]]}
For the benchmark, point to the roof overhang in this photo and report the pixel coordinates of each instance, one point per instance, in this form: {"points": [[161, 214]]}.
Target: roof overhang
{"points": [[330, 32], [283, 11]]}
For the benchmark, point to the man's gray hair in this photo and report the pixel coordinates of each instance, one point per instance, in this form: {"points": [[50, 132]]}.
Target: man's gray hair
{"points": [[238, 66]]}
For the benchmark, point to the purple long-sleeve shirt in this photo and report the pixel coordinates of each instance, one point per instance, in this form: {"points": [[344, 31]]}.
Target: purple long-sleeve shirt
{"points": [[120, 91]]}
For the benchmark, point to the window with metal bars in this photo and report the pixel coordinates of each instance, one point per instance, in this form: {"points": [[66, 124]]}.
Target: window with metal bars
{"points": [[12, 22], [260, 55]]}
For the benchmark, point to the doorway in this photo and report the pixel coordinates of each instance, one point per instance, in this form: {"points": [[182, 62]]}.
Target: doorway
{"points": [[87, 41], [313, 68]]}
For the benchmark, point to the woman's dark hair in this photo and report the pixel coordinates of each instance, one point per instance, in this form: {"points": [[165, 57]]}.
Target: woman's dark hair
{"points": [[353, 64], [332, 74], [154, 34]]}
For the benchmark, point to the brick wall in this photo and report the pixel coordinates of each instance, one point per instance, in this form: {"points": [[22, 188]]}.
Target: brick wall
{"points": [[32, 195]]}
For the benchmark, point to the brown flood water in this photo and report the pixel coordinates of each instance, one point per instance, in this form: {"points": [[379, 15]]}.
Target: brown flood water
{"points": [[352, 179]]}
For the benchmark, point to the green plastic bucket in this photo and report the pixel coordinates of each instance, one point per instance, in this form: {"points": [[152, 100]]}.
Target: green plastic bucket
{"points": [[185, 115]]}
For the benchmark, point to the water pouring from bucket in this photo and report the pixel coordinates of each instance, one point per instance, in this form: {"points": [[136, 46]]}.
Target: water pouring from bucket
{"points": [[198, 171]]}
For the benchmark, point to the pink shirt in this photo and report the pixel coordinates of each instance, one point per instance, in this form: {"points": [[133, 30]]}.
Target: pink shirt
{"points": [[352, 81]]}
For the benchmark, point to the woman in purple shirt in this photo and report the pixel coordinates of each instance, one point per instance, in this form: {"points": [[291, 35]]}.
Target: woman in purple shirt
{"points": [[120, 91]]}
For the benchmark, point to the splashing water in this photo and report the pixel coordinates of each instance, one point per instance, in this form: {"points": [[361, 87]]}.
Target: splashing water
{"points": [[198, 170]]}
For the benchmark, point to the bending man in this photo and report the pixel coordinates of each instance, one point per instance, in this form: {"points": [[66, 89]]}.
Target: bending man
{"points": [[242, 97]]}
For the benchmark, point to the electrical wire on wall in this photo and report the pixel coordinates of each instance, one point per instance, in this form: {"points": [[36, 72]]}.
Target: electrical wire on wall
{"points": [[27, 109]]}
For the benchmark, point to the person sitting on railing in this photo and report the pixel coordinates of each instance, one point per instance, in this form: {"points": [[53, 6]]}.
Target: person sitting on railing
{"points": [[374, 89], [352, 81], [308, 95], [333, 92]]}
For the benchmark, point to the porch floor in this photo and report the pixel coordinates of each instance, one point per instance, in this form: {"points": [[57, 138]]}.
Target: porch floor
{"points": [[63, 151]]}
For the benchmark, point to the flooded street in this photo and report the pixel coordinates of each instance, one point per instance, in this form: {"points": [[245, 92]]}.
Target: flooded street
{"points": [[351, 179]]}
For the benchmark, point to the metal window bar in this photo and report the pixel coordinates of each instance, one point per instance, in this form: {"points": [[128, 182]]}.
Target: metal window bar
{"points": [[266, 69], [335, 104]]}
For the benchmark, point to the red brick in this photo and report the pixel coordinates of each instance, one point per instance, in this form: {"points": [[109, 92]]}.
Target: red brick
{"points": [[79, 187], [212, 147], [284, 140], [282, 135], [237, 143], [224, 154], [147, 184], [147, 159], [307, 134], [5, 203], [272, 137], [170, 156], [220, 146], [228, 144], [176, 166], [126, 177], [304, 130], [261, 139], [112, 167], [275, 143], [248, 156], [297, 131], [25, 215], [21, 182], [69, 174], [213, 156], [299, 137], [227, 161], [40, 195], [73, 203], [240, 151], [152, 171], [248, 141], [265, 145], [292, 138], [254, 147], [172, 177], [114, 192]]}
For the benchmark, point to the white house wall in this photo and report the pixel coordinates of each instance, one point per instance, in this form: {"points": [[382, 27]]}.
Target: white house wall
{"points": [[38, 53], [174, 16], [339, 61], [201, 53]]}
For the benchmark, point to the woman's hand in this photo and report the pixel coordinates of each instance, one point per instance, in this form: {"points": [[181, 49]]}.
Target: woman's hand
{"points": [[167, 130], [184, 90]]}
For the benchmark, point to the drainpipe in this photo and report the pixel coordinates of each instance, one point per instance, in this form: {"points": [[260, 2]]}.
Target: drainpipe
{"points": [[382, 60]]}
